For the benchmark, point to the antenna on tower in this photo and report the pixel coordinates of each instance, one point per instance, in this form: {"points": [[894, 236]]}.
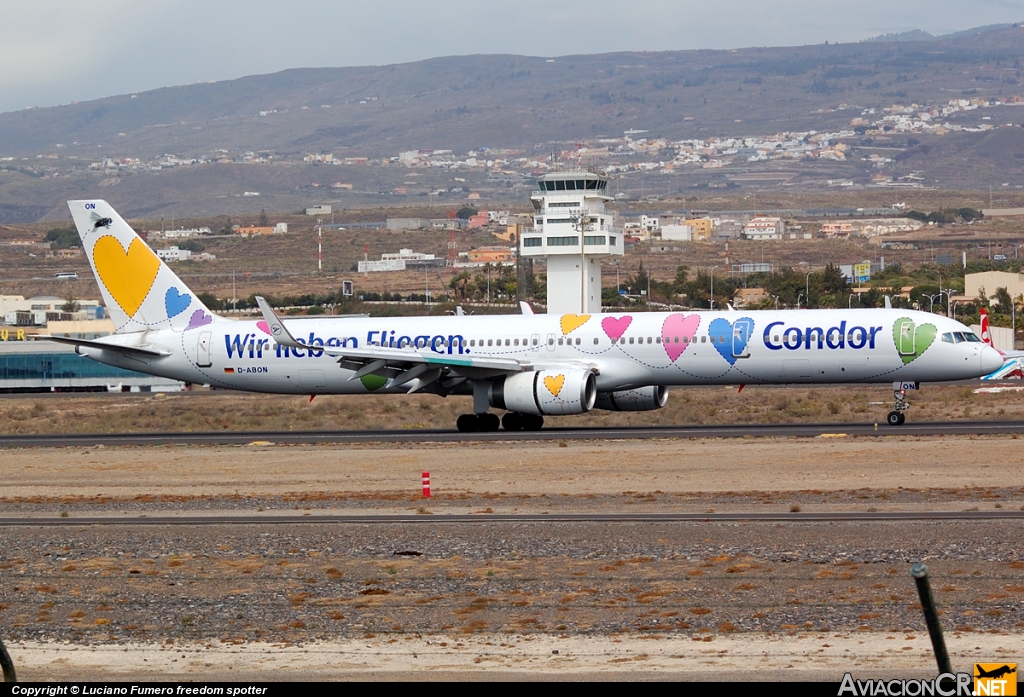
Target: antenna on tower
{"points": [[453, 249]]}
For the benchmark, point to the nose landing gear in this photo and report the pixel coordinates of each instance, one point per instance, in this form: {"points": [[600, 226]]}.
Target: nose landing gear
{"points": [[896, 416]]}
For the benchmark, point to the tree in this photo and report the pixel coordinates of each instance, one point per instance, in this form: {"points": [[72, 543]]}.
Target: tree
{"points": [[70, 306], [466, 212], [262, 220], [63, 238]]}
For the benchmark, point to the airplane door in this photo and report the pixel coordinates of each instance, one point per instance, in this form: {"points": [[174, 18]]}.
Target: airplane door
{"points": [[535, 342], [203, 349], [551, 342], [741, 331], [907, 335]]}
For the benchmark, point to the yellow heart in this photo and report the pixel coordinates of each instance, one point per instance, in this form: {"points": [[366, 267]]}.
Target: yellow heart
{"points": [[128, 276], [554, 383], [570, 322]]}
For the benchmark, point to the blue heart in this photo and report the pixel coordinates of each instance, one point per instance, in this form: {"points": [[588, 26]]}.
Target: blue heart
{"points": [[736, 335], [176, 303]]}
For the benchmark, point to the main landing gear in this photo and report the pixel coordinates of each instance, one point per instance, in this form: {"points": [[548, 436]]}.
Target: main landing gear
{"points": [[896, 416], [512, 421]]}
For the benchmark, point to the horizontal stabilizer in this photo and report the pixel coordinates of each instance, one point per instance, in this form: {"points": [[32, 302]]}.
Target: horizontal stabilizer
{"points": [[103, 345]]}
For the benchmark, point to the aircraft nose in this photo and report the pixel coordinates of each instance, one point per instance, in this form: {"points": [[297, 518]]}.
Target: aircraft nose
{"points": [[991, 360]]}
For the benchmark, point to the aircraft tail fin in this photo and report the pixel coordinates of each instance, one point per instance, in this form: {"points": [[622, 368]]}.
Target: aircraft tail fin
{"points": [[986, 334], [138, 288]]}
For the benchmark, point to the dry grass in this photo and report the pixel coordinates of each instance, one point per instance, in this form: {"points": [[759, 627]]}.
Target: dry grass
{"points": [[208, 411]]}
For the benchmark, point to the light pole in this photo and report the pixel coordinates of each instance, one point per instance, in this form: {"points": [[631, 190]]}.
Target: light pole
{"points": [[712, 306], [948, 299], [798, 297], [807, 289]]}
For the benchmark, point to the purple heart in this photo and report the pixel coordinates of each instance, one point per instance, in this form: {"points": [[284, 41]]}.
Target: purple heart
{"points": [[198, 319]]}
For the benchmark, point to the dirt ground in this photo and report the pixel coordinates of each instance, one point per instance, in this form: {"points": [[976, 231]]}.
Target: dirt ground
{"points": [[523, 469], [892, 473]]}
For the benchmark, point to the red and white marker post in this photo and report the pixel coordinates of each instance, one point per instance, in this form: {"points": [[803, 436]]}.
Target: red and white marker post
{"points": [[426, 485]]}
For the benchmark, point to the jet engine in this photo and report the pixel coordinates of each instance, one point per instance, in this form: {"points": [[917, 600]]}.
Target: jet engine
{"points": [[557, 392], [641, 399]]}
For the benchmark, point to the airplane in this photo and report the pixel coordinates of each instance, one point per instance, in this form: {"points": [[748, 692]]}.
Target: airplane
{"points": [[1012, 366], [530, 366], [995, 672]]}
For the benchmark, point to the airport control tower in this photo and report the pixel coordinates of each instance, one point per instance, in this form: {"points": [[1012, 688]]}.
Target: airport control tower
{"points": [[574, 233]]}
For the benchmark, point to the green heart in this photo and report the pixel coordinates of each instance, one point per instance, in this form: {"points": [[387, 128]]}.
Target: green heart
{"points": [[373, 382], [911, 339]]}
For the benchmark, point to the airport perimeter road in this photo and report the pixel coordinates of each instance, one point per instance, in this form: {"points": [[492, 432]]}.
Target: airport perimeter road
{"points": [[939, 428]]}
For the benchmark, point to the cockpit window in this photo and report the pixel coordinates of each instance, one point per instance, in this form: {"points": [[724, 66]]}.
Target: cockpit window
{"points": [[959, 336], [971, 336], [948, 338]]}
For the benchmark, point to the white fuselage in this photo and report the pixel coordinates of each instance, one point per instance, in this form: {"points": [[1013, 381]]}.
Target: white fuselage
{"points": [[625, 350]]}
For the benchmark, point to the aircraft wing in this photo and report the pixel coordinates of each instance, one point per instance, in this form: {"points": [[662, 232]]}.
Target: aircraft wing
{"points": [[120, 348], [401, 366]]}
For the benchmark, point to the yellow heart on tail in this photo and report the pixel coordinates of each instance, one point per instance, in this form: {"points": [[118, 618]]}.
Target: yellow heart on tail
{"points": [[570, 322], [554, 383], [128, 275]]}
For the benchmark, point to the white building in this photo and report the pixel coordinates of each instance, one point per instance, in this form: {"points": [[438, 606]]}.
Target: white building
{"points": [[319, 210], [764, 229], [173, 253], [679, 233], [649, 223], [573, 232]]}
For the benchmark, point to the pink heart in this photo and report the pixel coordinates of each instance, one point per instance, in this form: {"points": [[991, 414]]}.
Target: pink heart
{"points": [[673, 331], [615, 327], [263, 327]]}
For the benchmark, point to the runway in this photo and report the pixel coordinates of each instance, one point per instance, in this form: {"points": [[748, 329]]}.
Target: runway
{"points": [[938, 428], [476, 519]]}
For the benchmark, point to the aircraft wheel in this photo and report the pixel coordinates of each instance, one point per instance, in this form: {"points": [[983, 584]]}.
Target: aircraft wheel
{"points": [[467, 423], [533, 422], [488, 422], [512, 421], [895, 418]]}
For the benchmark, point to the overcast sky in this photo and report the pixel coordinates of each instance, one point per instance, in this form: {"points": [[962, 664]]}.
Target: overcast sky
{"points": [[57, 51]]}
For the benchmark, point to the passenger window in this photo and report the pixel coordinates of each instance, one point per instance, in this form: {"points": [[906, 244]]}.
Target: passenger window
{"points": [[631, 340], [657, 339], [516, 342], [675, 340], [776, 338], [595, 341], [721, 339], [703, 340], [578, 341], [561, 341], [490, 342], [508, 342], [534, 342]]}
